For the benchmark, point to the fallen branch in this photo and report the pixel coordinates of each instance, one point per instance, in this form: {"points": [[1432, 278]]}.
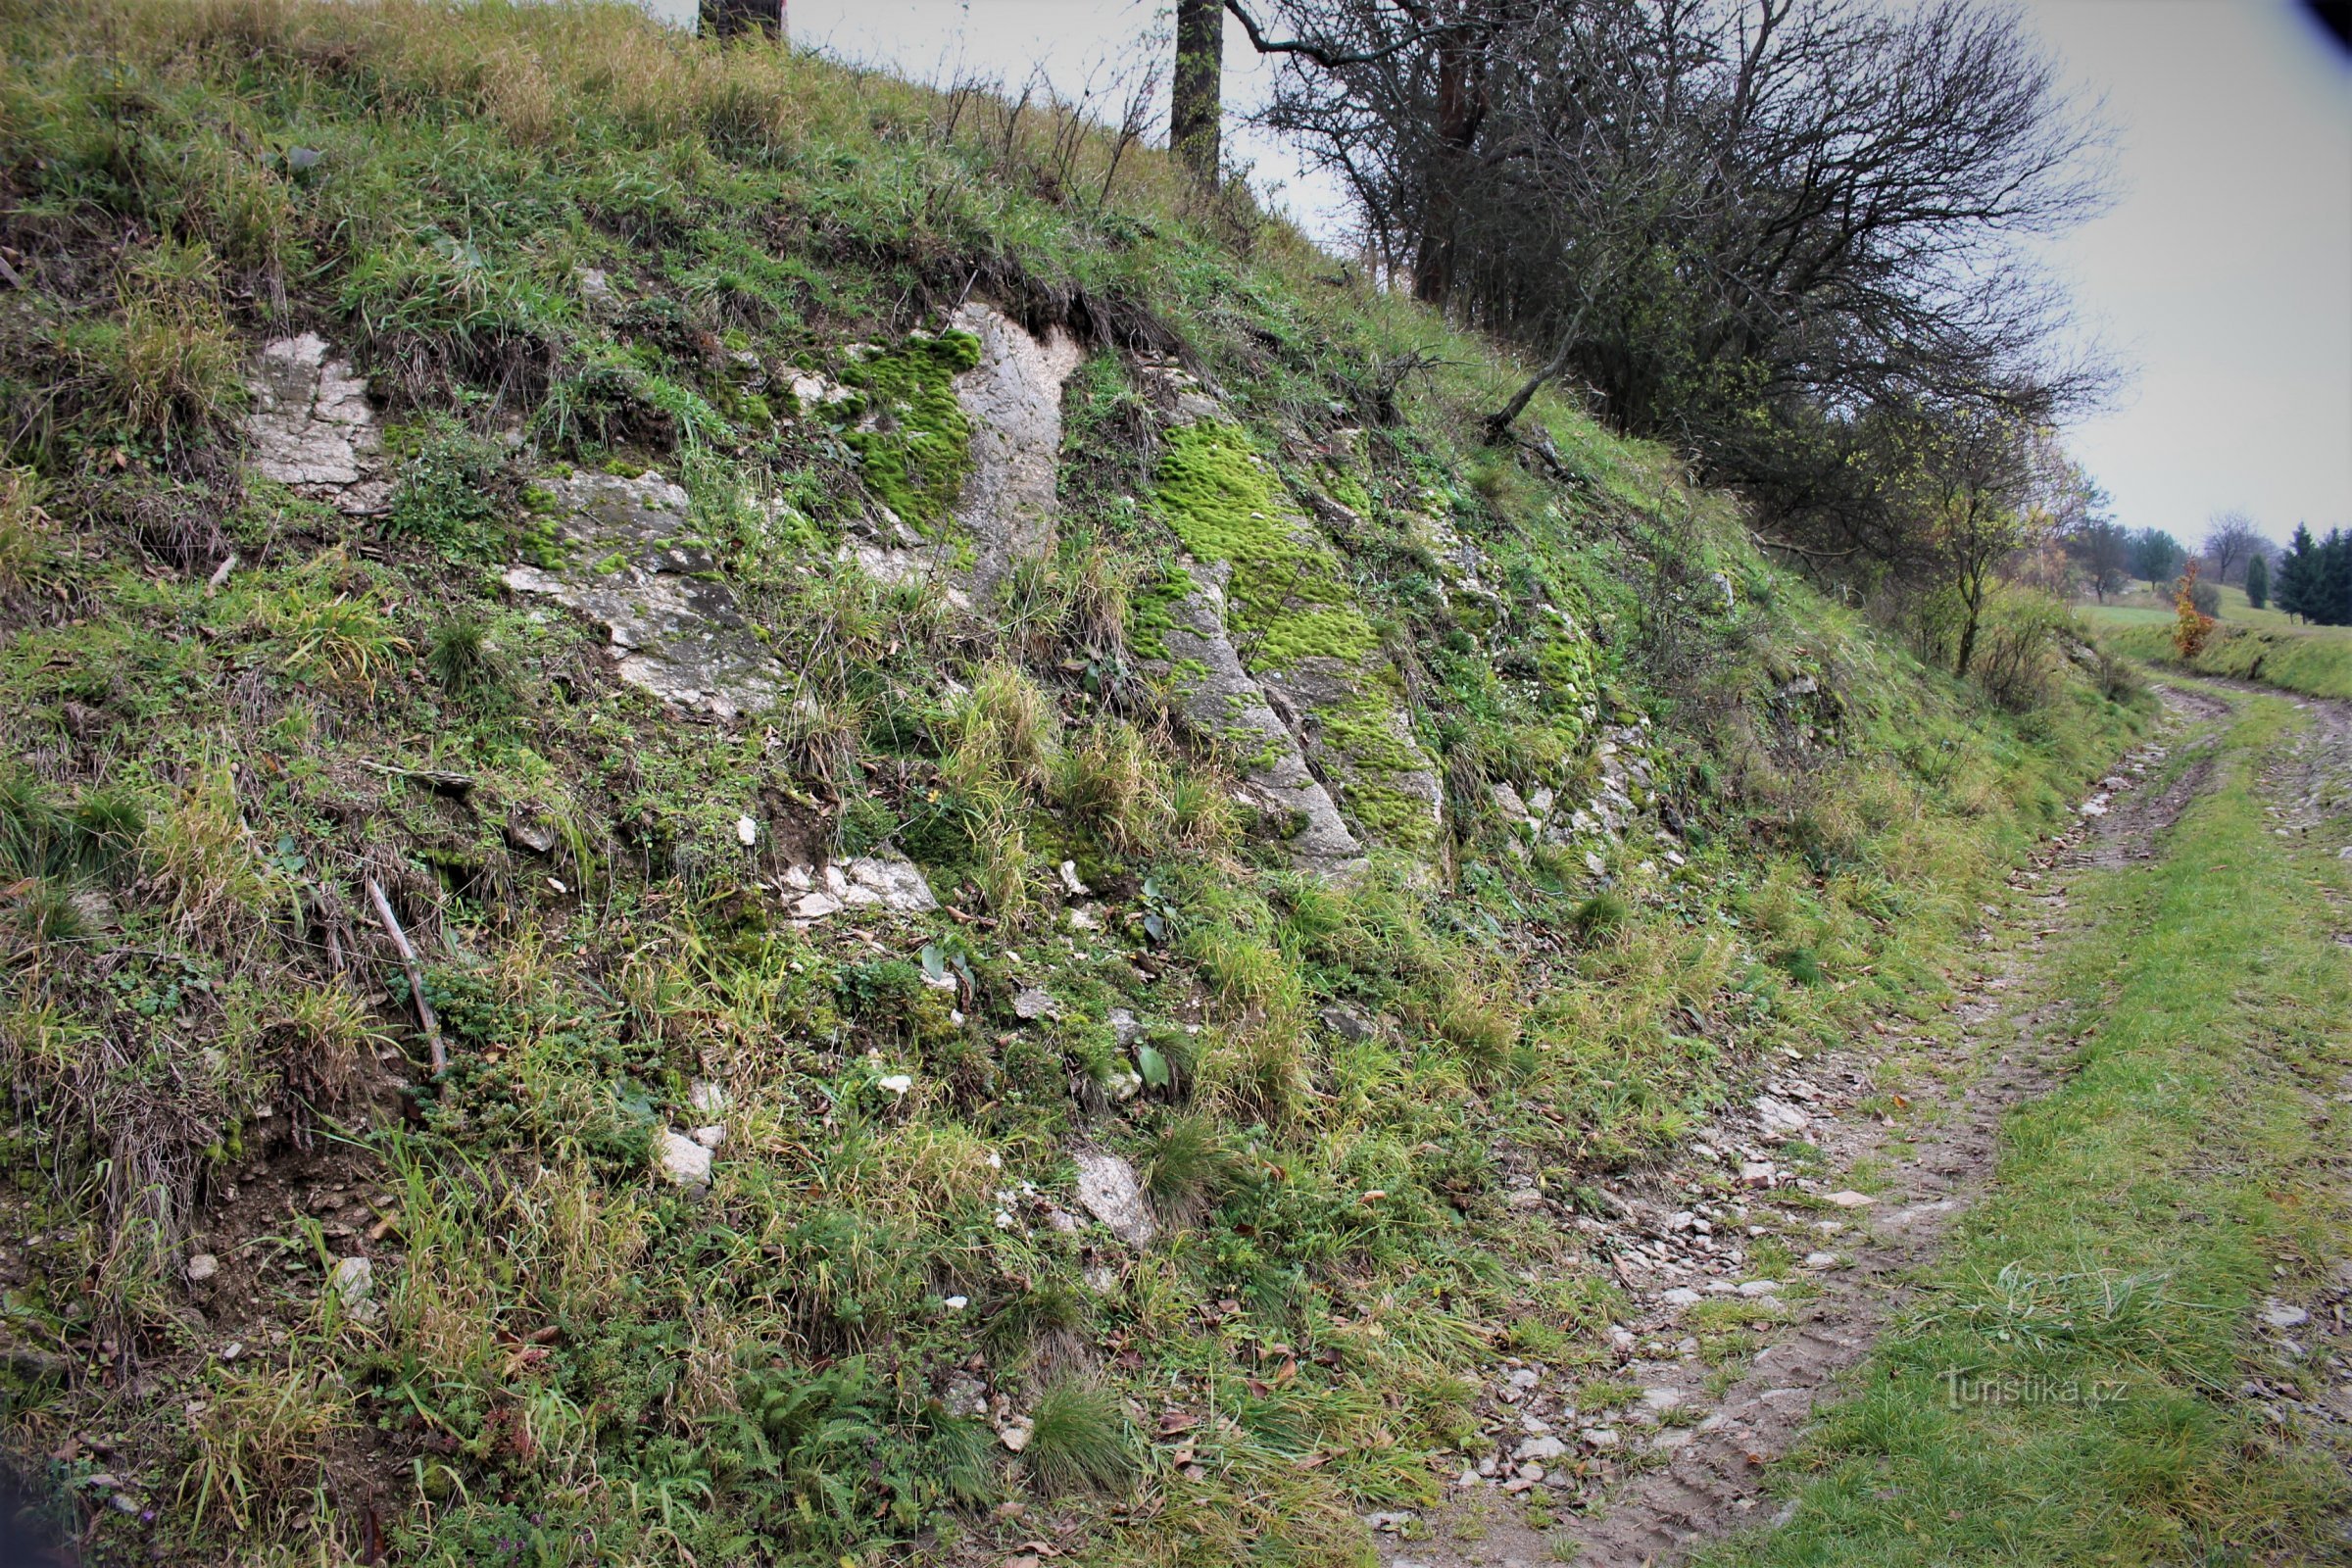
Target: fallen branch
{"points": [[416, 972], [454, 783]]}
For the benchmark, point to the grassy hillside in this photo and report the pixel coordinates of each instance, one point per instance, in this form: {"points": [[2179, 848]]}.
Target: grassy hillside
{"points": [[631, 322]]}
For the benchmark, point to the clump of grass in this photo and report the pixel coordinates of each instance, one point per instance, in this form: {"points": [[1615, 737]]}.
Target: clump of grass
{"points": [[42, 911], [1188, 1165], [1109, 778], [1600, 916], [27, 534], [218, 884], [464, 662], [1482, 1028], [1201, 813], [168, 361], [1006, 727], [259, 1437], [1079, 1437], [43, 836], [325, 624], [325, 1039], [1242, 971]]}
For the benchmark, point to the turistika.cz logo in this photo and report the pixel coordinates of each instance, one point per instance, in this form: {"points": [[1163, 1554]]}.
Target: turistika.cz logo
{"points": [[1962, 1388]]}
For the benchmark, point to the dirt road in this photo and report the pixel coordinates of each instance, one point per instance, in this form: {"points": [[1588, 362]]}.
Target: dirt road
{"points": [[1720, 1369]]}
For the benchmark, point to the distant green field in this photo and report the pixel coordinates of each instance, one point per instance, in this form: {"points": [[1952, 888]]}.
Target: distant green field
{"points": [[2143, 609], [2265, 647]]}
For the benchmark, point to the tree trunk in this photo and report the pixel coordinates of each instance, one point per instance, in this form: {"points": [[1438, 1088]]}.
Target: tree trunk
{"points": [[1461, 107], [737, 19], [1968, 631], [1194, 112]]}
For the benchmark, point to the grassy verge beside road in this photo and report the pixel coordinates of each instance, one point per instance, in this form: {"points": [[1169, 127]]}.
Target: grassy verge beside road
{"points": [[2064, 1389], [2314, 661]]}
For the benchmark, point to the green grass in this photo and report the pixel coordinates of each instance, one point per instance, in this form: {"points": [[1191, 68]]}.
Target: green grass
{"points": [[2141, 1213], [205, 1023], [2314, 661]]}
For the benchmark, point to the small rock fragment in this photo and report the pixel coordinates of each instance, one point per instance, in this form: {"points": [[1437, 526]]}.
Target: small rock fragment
{"points": [[682, 1161], [1107, 1189]]}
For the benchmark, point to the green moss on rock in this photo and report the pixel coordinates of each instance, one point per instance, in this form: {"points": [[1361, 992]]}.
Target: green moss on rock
{"points": [[911, 432], [1288, 600]]}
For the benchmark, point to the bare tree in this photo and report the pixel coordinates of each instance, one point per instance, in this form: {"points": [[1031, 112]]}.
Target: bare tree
{"points": [[1733, 219], [2230, 540]]}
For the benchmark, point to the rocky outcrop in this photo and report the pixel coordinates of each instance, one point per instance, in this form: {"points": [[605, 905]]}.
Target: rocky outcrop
{"points": [[1218, 696], [1011, 400], [312, 428], [889, 881], [676, 627], [1265, 648]]}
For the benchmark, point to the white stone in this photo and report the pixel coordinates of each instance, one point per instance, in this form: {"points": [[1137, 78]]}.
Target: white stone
{"points": [[312, 428], [353, 1279], [681, 1160], [1015, 1434], [710, 1137], [1849, 1199], [747, 831], [1821, 1260], [2284, 1315], [1779, 1119], [1599, 1436], [891, 880], [1539, 1449], [1754, 1288], [1069, 880], [1681, 1295], [676, 629], [1107, 1189], [203, 1266], [1033, 1004], [1661, 1399]]}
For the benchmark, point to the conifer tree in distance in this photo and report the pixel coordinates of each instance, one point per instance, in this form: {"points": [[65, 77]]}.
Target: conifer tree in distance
{"points": [[2295, 572]]}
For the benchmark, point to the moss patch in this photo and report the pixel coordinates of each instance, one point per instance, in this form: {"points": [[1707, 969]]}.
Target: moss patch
{"points": [[913, 436], [1288, 600]]}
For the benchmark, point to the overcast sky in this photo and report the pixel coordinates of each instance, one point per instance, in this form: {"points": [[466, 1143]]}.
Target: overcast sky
{"points": [[2223, 276]]}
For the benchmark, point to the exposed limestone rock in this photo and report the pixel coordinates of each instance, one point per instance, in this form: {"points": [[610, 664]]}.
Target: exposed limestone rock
{"points": [[311, 428], [1108, 1190], [677, 630], [1315, 710], [1012, 400], [1220, 698], [888, 881], [681, 1160]]}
